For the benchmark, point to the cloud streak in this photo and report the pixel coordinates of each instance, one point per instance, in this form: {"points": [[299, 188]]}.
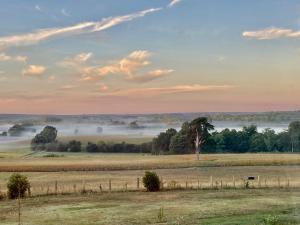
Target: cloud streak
{"points": [[85, 27], [4, 58], [174, 2], [150, 76], [272, 33], [155, 91]]}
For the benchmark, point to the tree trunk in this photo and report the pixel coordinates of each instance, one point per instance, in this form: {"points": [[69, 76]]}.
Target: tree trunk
{"points": [[197, 146]]}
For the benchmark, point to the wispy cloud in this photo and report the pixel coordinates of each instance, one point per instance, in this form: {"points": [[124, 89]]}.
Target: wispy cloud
{"points": [[104, 87], [4, 58], [65, 13], [152, 75], [51, 78], [174, 2], [83, 57], [272, 33], [77, 61], [154, 91], [85, 27], [34, 70], [128, 66], [38, 8], [68, 87], [3, 78], [7, 100]]}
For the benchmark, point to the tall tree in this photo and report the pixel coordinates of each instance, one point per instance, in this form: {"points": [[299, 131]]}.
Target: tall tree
{"points": [[47, 135], [200, 128], [294, 131]]}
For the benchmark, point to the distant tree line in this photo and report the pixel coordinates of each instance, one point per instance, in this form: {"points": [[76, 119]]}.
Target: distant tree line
{"points": [[228, 141], [18, 129], [46, 141], [193, 137]]}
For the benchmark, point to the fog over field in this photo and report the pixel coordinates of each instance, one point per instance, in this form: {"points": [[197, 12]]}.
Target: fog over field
{"points": [[130, 125]]}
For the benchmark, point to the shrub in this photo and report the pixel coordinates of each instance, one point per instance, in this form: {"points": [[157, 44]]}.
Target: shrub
{"points": [[62, 147], [2, 196], [91, 147], [51, 147], [271, 220], [151, 181], [74, 146], [52, 155], [17, 186]]}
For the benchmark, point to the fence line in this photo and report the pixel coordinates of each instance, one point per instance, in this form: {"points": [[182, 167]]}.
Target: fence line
{"points": [[166, 184]]}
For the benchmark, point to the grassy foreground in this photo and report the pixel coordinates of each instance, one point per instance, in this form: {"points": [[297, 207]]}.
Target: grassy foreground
{"points": [[242, 207]]}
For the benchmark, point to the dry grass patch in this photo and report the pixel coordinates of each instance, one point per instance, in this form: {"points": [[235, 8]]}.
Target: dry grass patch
{"points": [[105, 162]]}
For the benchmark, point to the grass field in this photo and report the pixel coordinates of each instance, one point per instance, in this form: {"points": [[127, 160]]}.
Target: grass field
{"points": [[42, 181], [243, 207], [197, 206], [101, 162]]}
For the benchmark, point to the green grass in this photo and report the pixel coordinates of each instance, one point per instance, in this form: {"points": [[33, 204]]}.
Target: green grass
{"points": [[242, 207]]}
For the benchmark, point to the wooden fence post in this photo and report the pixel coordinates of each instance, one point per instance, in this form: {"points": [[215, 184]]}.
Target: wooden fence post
{"points": [[29, 191], [266, 182], [233, 181], [211, 182], [278, 182], [288, 183], [198, 184], [55, 187], [258, 180], [109, 185], [138, 183], [19, 205], [83, 186]]}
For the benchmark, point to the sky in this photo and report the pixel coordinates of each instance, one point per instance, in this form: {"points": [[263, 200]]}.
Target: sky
{"points": [[142, 56]]}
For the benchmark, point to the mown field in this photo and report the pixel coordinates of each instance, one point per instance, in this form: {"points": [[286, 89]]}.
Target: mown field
{"points": [[206, 207], [194, 177], [276, 195], [37, 162]]}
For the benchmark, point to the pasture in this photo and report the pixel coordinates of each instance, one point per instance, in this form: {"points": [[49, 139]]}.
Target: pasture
{"points": [[209, 191], [206, 207]]}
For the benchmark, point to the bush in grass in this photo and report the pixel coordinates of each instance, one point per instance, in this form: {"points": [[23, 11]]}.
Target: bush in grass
{"points": [[2, 196], [91, 147], [17, 186], [151, 181], [271, 220], [74, 146]]}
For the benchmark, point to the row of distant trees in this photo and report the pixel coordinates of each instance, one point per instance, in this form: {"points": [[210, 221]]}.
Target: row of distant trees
{"points": [[46, 140], [227, 141], [193, 137]]}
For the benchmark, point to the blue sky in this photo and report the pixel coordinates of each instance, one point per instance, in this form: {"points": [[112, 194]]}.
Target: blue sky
{"points": [[189, 55]]}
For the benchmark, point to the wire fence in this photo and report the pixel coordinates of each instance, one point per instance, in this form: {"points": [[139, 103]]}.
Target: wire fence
{"points": [[136, 184]]}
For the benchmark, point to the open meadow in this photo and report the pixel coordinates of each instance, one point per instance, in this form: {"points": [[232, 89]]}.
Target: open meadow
{"points": [[106, 188], [205, 207]]}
